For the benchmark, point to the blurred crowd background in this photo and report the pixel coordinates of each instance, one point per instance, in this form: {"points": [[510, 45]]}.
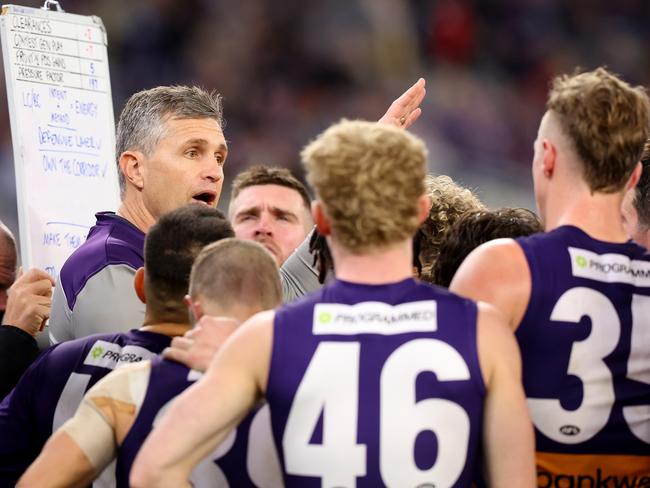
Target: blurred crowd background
{"points": [[289, 68]]}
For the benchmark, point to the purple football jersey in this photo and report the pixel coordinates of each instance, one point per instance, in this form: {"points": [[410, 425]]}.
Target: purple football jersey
{"points": [[584, 341], [232, 464], [377, 385], [52, 388]]}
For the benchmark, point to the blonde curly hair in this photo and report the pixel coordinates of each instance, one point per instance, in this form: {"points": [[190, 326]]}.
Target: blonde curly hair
{"points": [[449, 201], [369, 178]]}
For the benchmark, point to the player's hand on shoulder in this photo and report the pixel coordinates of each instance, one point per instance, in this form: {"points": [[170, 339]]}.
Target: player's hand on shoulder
{"points": [[29, 301], [198, 346]]}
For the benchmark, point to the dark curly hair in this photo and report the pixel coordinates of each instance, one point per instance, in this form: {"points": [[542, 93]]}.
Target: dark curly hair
{"points": [[448, 202], [170, 248], [473, 229]]}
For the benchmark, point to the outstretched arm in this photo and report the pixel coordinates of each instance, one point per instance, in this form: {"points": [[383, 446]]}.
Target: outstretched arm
{"points": [[206, 412], [404, 111]]}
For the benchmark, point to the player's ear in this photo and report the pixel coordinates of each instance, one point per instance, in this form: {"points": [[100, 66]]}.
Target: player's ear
{"points": [[195, 307], [320, 218], [634, 177], [131, 165], [549, 158], [138, 284], [424, 205]]}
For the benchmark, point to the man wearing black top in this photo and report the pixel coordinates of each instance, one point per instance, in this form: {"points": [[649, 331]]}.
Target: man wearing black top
{"points": [[23, 311]]}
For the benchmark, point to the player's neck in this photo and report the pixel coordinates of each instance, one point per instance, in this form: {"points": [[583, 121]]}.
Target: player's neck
{"points": [[386, 265], [598, 215], [171, 329], [238, 312], [134, 210]]}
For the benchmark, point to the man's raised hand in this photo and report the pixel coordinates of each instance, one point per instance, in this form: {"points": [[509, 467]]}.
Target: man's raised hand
{"points": [[404, 111]]}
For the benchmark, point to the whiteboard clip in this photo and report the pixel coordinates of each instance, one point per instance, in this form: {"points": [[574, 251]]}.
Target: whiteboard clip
{"points": [[52, 5]]}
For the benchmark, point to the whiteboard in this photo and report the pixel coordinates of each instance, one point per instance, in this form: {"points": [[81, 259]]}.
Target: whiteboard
{"points": [[62, 129]]}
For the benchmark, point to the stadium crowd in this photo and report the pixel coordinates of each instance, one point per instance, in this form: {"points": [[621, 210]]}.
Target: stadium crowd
{"points": [[288, 71]]}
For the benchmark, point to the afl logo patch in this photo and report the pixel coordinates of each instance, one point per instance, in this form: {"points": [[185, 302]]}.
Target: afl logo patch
{"points": [[570, 430]]}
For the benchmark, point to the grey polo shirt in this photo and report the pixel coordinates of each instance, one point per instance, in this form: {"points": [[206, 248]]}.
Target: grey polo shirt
{"points": [[94, 293]]}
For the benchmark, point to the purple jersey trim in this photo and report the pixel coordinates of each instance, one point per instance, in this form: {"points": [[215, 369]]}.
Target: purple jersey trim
{"points": [[112, 240]]}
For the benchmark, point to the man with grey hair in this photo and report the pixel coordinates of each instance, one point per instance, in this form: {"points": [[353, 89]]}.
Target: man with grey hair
{"points": [[171, 150]]}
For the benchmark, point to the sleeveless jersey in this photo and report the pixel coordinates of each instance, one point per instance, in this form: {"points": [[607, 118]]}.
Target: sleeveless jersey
{"points": [[377, 385], [585, 342], [246, 458], [52, 388]]}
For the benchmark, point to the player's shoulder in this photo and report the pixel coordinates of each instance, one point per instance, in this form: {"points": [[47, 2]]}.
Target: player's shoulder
{"points": [[260, 320], [303, 305], [169, 368], [499, 247], [494, 263], [127, 384], [61, 360], [448, 302], [74, 349], [439, 293], [129, 373], [574, 243]]}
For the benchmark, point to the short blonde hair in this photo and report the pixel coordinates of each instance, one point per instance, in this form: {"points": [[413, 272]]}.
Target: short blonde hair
{"points": [[369, 178], [449, 201], [236, 272], [606, 120]]}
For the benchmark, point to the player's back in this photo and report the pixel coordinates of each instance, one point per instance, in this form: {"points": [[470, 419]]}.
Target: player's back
{"points": [[584, 341], [377, 385], [246, 458], [50, 391]]}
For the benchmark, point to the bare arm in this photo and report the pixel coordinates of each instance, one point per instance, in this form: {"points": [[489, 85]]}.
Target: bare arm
{"points": [[497, 273], [82, 448], [61, 464], [207, 411], [508, 438]]}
